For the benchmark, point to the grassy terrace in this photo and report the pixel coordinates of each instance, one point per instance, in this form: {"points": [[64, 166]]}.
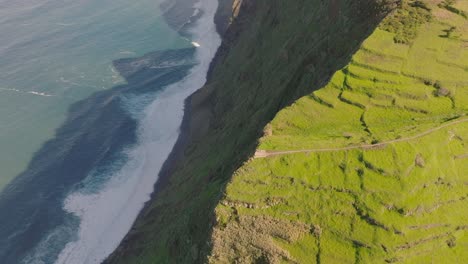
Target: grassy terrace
{"points": [[403, 201]]}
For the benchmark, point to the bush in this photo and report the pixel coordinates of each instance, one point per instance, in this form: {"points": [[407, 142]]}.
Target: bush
{"points": [[405, 21], [448, 4], [420, 4]]}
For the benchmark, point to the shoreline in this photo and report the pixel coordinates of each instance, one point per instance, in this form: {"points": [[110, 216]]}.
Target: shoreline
{"points": [[71, 227], [177, 152], [176, 155], [198, 29]]}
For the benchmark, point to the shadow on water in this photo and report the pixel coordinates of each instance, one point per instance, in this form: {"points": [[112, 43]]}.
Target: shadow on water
{"points": [[94, 135]]}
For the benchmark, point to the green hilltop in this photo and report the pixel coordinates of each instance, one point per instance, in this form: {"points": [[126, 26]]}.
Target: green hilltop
{"points": [[370, 168]]}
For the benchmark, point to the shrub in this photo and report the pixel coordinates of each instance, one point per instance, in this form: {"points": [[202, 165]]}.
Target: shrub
{"points": [[420, 4], [448, 32], [405, 21], [448, 5]]}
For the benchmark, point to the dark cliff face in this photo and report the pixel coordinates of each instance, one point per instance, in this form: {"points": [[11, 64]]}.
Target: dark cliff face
{"points": [[225, 14], [274, 52]]}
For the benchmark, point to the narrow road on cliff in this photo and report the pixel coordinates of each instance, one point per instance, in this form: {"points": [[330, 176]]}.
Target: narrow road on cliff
{"points": [[267, 153]]}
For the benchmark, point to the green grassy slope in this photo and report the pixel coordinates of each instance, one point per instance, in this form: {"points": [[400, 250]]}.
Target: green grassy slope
{"points": [[275, 52], [381, 169]]}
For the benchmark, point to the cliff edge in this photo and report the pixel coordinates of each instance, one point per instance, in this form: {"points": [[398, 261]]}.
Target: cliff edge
{"points": [[305, 76]]}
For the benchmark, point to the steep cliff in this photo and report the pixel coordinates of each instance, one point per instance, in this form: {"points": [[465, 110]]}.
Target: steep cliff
{"points": [[275, 52]]}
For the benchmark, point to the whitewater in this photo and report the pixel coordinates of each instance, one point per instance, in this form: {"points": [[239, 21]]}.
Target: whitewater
{"points": [[107, 215]]}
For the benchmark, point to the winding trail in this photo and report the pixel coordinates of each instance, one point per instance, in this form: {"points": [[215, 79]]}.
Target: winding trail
{"points": [[463, 156], [267, 153]]}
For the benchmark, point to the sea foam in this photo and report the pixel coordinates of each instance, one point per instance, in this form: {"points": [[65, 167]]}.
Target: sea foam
{"points": [[106, 216], [27, 92]]}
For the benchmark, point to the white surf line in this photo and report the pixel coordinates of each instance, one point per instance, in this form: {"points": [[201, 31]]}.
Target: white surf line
{"points": [[107, 216], [40, 94], [27, 92]]}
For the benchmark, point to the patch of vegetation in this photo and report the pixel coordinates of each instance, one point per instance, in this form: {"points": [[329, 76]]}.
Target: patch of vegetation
{"points": [[405, 21], [449, 33], [448, 4]]}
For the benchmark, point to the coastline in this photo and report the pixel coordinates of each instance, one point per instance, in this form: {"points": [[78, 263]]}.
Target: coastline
{"points": [[177, 224], [213, 203], [88, 212], [176, 153], [186, 128], [99, 116], [221, 20]]}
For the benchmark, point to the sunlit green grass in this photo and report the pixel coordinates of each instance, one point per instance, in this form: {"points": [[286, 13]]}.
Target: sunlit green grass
{"points": [[403, 202]]}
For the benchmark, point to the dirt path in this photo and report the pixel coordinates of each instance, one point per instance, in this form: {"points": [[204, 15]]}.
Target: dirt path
{"points": [[464, 156], [266, 153]]}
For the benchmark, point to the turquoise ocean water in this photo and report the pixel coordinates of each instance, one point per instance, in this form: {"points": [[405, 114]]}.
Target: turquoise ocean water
{"points": [[91, 101], [56, 52]]}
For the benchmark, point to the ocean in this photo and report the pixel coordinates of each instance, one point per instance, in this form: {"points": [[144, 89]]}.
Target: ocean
{"points": [[91, 102]]}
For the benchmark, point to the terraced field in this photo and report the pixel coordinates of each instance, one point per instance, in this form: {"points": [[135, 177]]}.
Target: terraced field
{"points": [[392, 185]]}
